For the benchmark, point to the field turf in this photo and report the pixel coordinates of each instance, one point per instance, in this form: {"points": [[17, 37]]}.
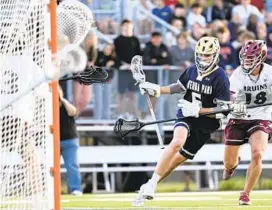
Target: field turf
{"points": [[178, 200]]}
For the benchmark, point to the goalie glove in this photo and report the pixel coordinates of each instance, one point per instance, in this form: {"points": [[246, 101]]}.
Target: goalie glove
{"points": [[188, 109], [150, 88]]}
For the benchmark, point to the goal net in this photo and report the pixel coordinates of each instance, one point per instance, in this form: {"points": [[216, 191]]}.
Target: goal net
{"points": [[26, 145]]}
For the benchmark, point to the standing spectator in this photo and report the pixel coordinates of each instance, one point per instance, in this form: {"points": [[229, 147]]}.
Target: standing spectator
{"points": [[69, 144], [179, 13], [195, 16], [155, 54], [220, 10], [162, 11], [170, 36], [103, 92], [227, 57], [126, 46], [82, 93], [244, 10], [252, 23]]}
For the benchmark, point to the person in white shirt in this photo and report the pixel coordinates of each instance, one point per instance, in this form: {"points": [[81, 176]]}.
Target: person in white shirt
{"points": [[244, 10], [195, 16], [250, 83]]}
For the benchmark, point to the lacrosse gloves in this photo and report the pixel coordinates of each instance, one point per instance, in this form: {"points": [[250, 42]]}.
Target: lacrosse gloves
{"points": [[150, 88], [188, 109], [239, 109]]}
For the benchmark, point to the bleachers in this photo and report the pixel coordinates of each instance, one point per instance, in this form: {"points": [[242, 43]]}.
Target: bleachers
{"points": [[107, 159]]}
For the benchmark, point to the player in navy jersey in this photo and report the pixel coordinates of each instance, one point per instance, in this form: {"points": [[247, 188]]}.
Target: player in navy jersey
{"points": [[205, 86]]}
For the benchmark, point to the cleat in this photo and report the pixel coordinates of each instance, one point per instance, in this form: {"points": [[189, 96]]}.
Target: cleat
{"points": [[244, 199], [227, 174], [139, 200], [149, 190]]}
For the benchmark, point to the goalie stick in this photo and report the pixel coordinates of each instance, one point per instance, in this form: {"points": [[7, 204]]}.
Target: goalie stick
{"points": [[123, 127], [89, 76]]}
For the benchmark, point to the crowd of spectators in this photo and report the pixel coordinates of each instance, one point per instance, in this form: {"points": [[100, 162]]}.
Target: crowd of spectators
{"points": [[231, 21]]}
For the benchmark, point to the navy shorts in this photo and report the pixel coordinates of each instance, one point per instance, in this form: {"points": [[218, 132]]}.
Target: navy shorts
{"points": [[237, 132], [199, 132], [126, 83]]}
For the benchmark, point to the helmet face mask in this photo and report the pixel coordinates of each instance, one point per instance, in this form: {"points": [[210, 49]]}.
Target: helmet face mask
{"points": [[206, 54], [252, 54]]}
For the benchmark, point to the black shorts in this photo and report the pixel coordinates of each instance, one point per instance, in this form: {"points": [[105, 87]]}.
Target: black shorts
{"points": [[126, 83], [199, 132], [151, 76]]}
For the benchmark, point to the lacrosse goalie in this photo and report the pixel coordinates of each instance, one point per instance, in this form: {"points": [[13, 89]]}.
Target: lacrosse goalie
{"points": [[249, 84], [205, 86]]}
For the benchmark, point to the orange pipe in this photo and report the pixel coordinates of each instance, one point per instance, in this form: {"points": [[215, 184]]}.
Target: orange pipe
{"points": [[56, 122]]}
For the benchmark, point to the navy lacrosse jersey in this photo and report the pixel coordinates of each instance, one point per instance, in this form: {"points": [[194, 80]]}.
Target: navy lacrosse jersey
{"points": [[206, 90]]}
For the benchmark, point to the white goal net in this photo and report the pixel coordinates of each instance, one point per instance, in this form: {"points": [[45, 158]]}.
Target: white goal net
{"points": [[26, 150]]}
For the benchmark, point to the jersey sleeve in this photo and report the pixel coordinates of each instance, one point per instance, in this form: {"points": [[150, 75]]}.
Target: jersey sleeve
{"points": [[184, 78], [235, 85], [222, 89]]}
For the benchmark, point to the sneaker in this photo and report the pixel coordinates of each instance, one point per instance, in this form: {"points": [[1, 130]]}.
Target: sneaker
{"points": [[149, 190], [244, 199], [227, 174], [77, 193], [139, 201]]}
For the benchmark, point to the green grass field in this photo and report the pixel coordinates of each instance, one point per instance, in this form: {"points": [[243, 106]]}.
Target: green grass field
{"points": [[178, 200]]}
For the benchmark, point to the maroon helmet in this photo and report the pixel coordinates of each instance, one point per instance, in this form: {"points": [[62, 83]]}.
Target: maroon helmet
{"points": [[252, 54]]}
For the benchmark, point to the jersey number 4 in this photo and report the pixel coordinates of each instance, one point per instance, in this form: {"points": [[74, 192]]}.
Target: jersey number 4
{"points": [[260, 98]]}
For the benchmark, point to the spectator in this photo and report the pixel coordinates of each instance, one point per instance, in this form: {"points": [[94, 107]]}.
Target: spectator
{"points": [[269, 47], [182, 54], [82, 93], [197, 32], [268, 20], [162, 11], [195, 16], [145, 25], [69, 144], [243, 38], [171, 3], [252, 23], [155, 54], [170, 37], [220, 10], [126, 46], [268, 6], [261, 31], [103, 92], [234, 27], [179, 13], [244, 10], [227, 57]]}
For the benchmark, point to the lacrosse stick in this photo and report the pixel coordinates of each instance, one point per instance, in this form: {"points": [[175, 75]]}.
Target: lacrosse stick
{"points": [[139, 75], [89, 76], [123, 127]]}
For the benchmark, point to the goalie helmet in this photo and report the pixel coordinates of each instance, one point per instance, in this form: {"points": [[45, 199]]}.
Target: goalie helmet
{"points": [[206, 54], [252, 54]]}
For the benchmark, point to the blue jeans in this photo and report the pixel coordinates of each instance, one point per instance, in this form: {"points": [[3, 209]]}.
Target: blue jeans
{"points": [[102, 101], [68, 149]]}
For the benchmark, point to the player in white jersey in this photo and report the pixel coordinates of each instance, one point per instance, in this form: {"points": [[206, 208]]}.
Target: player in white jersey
{"points": [[250, 83]]}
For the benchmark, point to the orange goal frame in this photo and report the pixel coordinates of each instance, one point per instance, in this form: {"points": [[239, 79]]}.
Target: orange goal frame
{"points": [[55, 128]]}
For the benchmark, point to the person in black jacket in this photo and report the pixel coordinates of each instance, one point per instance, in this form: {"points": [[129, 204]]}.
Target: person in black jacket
{"points": [[126, 45], [155, 54]]}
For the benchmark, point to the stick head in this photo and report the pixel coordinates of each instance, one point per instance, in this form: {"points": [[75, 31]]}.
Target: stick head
{"points": [[123, 127], [91, 75], [136, 68]]}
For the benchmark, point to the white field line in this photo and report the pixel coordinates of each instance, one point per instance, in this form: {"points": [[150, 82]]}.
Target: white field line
{"points": [[178, 194], [225, 207]]}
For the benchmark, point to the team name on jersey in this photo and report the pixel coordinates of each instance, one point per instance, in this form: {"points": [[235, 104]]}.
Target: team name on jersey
{"points": [[201, 88], [255, 88]]}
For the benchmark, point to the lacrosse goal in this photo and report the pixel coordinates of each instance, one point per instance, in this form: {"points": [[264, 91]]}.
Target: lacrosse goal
{"points": [[29, 151]]}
